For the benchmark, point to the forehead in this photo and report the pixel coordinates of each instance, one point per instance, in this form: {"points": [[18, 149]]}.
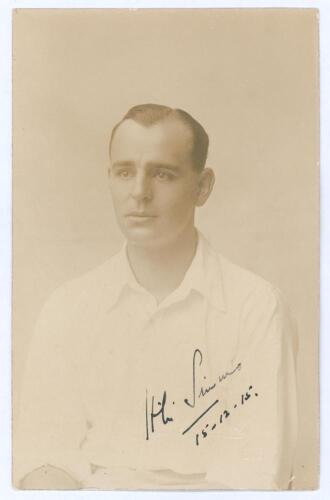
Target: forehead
{"points": [[168, 139]]}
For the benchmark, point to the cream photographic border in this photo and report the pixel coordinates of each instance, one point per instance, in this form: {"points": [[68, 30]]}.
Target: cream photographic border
{"points": [[6, 490]]}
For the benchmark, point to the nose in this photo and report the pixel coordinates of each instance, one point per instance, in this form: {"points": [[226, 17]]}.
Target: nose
{"points": [[141, 189]]}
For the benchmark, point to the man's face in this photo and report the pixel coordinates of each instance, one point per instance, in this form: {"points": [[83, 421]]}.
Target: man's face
{"points": [[153, 183]]}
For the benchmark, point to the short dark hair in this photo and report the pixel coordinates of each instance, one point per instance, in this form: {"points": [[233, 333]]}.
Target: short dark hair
{"points": [[149, 114]]}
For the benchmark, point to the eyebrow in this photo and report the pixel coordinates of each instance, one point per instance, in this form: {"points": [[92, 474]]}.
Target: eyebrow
{"points": [[124, 163], [167, 166], [129, 163]]}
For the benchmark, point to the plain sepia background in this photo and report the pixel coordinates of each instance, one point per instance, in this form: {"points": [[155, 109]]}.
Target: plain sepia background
{"points": [[249, 76]]}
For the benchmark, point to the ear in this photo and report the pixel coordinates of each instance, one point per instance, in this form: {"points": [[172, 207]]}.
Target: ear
{"points": [[205, 185]]}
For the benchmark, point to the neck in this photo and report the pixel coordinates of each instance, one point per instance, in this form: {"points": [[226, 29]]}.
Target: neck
{"points": [[160, 270]]}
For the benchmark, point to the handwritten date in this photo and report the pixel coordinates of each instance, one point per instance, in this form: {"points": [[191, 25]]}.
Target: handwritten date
{"points": [[224, 416]]}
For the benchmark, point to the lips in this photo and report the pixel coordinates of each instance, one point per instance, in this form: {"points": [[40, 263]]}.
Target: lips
{"points": [[142, 215], [140, 218]]}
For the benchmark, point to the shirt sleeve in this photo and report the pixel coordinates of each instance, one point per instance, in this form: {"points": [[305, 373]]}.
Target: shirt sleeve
{"points": [[257, 448], [50, 422]]}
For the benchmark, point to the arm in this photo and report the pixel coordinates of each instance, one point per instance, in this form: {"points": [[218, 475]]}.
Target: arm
{"points": [[50, 418], [271, 360], [257, 447]]}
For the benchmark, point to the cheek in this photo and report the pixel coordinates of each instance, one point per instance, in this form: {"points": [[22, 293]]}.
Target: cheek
{"points": [[178, 200], [118, 193]]}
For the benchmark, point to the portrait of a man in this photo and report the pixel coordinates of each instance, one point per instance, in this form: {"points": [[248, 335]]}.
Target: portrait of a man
{"points": [[166, 364], [170, 365]]}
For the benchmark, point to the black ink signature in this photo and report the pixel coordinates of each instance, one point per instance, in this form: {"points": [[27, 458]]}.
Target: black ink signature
{"points": [[200, 416], [205, 390], [155, 414]]}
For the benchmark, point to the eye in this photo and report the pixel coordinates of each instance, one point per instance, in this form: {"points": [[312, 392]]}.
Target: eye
{"points": [[123, 173], [164, 176]]}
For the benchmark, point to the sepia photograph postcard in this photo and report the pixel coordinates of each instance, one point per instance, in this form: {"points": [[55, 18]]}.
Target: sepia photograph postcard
{"points": [[165, 305]]}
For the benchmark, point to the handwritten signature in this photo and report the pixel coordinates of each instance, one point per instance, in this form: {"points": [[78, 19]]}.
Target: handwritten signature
{"points": [[205, 390], [155, 414], [156, 409]]}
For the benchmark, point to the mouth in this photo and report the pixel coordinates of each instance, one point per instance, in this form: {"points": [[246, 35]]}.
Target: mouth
{"points": [[140, 215]]}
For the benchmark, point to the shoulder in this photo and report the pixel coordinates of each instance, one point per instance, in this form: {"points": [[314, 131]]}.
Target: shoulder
{"points": [[251, 296], [236, 286], [261, 306], [242, 287], [240, 280], [81, 294], [68, 317]]}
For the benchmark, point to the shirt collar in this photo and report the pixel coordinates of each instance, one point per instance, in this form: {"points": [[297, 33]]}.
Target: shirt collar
{"points": [[203, 275]]}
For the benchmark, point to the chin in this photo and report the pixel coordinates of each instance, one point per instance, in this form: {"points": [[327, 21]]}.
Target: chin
{"points": [[147, 239], [141, 237]]}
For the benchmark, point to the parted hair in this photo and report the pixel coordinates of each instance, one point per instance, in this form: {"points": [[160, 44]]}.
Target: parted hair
{"points": [[150, 114]]}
